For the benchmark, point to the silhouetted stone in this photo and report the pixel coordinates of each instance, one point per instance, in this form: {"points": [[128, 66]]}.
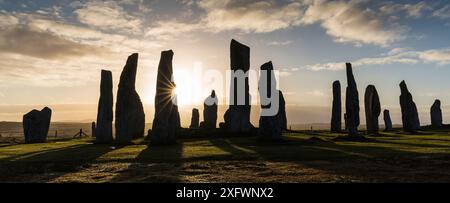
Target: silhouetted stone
{"points": [[103, 131], [93, 129], [345, 122], [167, 118], [336, 112], [351, 103], [387, 120], [237, 117], [130, 117], [195, 119], [373, 109], [436, 114], [210, 111], [36, 124], [282, 111], [410, 117], [271, 126]]}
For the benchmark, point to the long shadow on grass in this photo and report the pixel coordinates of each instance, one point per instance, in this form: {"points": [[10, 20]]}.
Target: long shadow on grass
{"points": [[365, 163], [155, 164], [415, 144], [52, 163], [235, 152]]}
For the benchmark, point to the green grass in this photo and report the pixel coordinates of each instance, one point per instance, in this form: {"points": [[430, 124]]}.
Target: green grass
{"points": [[389, 157]]}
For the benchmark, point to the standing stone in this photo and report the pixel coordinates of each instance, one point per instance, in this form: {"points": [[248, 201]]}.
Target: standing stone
{"points": [[336, 112], [93, 129], [130, 117], [103, 131], [282, 111], [210, 112], [271, 127], [410, 117], [36, 124], [352, 103], [436, 114], [195, 119], [237, 117], [345, 122], [373, 109], [387, 120], [167, 118]]}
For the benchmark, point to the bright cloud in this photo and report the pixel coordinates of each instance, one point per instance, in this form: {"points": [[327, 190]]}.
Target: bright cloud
{"points": [[108, 15], [250, 16], [351, 22]]}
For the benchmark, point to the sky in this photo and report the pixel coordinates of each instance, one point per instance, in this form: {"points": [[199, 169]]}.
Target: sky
{"points": [[52, 51]]}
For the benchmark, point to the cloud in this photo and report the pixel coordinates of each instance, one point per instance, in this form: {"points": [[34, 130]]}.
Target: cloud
{"points": [[108, 42], [26, 41], [108, 15], [443, 13], [279, 43], [411, 10], [441, 56], [395, 56], [345, 20], [250, 16], [40, 50], [7, 20], [316, 93], [352, 22], [167, 30]]}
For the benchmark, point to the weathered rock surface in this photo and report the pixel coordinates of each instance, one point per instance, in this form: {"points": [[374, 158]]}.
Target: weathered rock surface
{"points": [[210, 111], [436, 114], [387, 120], [167, 118], [336, 112], [410, 117], [351, 103], [195, 119], [36, 124], [237, 117], [103, 130], [271, 126], [130, 117], [373, 109]]}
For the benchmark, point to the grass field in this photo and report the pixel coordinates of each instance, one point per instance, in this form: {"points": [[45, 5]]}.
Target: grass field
{"points": [[302, 157]]}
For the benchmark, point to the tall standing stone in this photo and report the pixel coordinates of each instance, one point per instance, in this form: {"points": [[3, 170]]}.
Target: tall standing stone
{"points": [[195, 119], [336, 112], [93, 127], [210, 111], [36, 124], [436, 114], [410, 117], [130, 117], [282, 111], [103, 130], [351, 103], [271, 126], [387, 120], [237, 117], [167, 118], [345, 122], [373, 109]]}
